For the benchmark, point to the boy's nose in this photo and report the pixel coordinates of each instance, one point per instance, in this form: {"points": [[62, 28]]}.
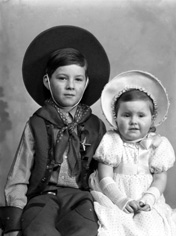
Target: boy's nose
{"points": [[70, 84]]}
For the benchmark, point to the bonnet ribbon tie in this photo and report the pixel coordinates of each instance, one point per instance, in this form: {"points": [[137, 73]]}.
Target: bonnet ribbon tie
{"points": [[152, 139], [146, 143]]}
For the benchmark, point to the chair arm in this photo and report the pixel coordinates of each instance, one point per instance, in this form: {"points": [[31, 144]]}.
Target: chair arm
{"points": [[10, 218]]}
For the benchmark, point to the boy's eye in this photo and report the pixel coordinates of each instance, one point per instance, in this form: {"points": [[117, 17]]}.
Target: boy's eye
{"points": [[79, 79], [61, 77]]}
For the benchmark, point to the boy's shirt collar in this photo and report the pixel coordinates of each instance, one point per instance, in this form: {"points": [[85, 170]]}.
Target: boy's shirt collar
{"points": [[69, 114]]}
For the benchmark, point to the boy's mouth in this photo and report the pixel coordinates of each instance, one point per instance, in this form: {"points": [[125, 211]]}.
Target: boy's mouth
{"points": [[69, 95]]}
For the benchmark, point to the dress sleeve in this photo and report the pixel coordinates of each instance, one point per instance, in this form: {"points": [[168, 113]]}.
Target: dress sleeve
{"points": [[110, 149], [18, 177], [163, 157]]}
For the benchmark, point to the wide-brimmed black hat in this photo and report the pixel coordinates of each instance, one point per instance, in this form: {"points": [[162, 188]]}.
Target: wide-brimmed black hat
{"points": [[59, 37]]}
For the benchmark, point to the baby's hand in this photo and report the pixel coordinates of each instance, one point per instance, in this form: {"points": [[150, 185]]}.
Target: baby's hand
{"points": [[144, 207], [132, 207]]}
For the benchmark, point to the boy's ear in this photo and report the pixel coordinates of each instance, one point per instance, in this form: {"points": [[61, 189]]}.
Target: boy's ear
{"points": [[46, 81], [87, 82]]}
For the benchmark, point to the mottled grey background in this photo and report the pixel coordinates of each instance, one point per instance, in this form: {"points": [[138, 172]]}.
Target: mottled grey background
{"points": [[136, 35]]}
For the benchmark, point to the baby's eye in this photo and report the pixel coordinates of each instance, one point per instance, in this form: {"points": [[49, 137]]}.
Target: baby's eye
{"points": [[141, 115], [126, 115]]}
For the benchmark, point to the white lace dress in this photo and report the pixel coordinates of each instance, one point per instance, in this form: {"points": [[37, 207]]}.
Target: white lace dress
{"points": [[133, 167]]}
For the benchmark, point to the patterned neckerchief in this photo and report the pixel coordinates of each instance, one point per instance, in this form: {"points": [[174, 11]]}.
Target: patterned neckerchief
{"points": [[67, 136]]}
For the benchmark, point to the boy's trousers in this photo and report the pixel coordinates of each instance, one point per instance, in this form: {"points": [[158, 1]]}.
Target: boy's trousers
{"points": [[63, 212]]}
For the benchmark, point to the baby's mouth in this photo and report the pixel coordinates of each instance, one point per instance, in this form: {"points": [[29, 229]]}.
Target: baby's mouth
{"points": [[134, 128]]}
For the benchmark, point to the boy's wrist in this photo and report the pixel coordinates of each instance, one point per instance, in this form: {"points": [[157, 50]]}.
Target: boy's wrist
{"points": [[10, 219]]}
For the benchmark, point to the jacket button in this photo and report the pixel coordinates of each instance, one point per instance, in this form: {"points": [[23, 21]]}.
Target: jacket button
{"points": [[43, 179]]}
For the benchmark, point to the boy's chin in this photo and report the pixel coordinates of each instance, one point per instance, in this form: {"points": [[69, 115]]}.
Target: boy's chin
{"points": [[67, 106]]}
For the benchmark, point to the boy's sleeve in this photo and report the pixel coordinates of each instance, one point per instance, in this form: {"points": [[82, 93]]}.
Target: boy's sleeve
{"points": [[18, 177]]}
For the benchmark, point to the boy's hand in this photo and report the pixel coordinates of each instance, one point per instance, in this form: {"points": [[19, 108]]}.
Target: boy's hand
{"points": [[132, 207]]}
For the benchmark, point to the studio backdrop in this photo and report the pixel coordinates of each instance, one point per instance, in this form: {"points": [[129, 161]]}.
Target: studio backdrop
{"points": [[135, 34]]}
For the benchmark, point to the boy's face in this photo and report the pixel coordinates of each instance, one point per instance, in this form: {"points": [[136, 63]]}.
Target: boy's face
{"points": [[134, 119], [68, 84]]}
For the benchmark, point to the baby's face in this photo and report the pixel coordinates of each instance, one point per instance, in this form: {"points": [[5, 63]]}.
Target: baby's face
{"points": [[134, 119]]}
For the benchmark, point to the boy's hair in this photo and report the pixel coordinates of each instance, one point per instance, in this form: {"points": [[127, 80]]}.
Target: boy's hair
{"points": [[134, 95], [64, 57]]}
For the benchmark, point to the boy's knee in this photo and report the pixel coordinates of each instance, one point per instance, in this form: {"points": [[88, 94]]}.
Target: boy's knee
{"points": [[41, 230], [82, 220]]}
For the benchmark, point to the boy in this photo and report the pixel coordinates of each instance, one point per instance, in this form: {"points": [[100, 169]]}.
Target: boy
{"points": [[64, 68]]}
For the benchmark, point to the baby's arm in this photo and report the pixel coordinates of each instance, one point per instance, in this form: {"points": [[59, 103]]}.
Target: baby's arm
{"points": [[160, 181], [161, 161], [157, 188], [109, 187]]}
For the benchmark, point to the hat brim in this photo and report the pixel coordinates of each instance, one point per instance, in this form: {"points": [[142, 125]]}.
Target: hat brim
{"points": [[135, 79], [59, 37]]}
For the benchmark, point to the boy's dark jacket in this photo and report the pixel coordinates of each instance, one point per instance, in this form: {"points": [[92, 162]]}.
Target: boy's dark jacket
{"points": [[42, 123]]}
